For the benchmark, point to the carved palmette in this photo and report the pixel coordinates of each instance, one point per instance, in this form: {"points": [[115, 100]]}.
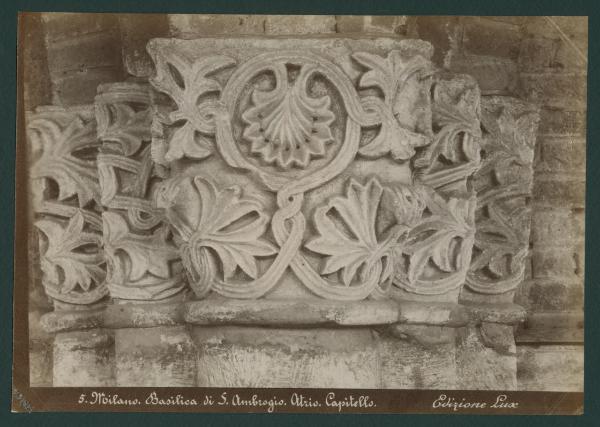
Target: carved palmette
{"points": [[288, 167], [503, 186], [143, 263], [65, 197]]}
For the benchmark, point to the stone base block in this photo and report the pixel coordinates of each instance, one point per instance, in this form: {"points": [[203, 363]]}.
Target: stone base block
{"points": [[155, 357], [485, 360], [550, 367], [418, 357], [232, 356], [84, 359]]}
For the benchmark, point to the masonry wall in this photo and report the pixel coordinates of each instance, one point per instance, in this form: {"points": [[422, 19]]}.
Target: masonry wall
{"points": [[542, 60]]}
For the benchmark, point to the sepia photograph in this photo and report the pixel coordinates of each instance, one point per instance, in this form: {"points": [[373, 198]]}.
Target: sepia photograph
{"points": [[300, 213]]}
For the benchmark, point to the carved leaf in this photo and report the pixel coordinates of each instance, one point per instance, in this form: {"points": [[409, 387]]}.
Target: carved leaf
{"points": [[455, 113], [359, 250], [187, 83], [434, 235], [146, 253], [59, 162], [499, 237], [221, 220], [390, 74], [185, 142], [395, 140], [288, 127], [72, 258], [128, 128]]}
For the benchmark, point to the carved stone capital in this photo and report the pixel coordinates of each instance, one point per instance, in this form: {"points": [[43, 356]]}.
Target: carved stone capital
{"points": [[291, 167]]}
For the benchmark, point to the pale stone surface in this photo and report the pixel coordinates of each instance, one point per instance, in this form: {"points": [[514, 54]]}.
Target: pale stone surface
{"points": [[155, 357], [480, 367], [281, 313], [84, 358], [407, 363], [550, 367], [258, 357]]}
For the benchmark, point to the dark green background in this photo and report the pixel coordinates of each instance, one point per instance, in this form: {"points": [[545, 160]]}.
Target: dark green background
{"points": [[8, 30]]}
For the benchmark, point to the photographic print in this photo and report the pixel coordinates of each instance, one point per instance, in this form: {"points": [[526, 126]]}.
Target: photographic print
{"points": [[268, 213]]}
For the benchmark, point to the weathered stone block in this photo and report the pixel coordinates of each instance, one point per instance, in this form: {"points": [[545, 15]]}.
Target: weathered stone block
{"points": [[443, 32], [571, 26], [555, 294], [136, 31], [563, 122], [268, 357], [550, 367], [495, 75], [84, 359], [349, 24], [554, 191], [555, 227], [562, 155], [216, 24], [418, 357], [386, 24], [557, 90], [572, 55], [299, 24], [155, 357], [482, 367], [552, 327], [537, 53], [61, 25], [79, 87], [36, 87], [90, 51], [491, 38], [553, 262]]}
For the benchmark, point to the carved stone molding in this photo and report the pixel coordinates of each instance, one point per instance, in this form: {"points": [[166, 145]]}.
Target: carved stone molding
{"points": [[65, 197], [143, 263]]}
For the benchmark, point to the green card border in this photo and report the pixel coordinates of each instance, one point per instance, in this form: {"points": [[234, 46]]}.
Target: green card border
{"points": [[8, 16]]}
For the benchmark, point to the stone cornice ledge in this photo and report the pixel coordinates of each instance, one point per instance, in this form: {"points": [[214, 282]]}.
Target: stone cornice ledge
{"points": [[283, 314]]}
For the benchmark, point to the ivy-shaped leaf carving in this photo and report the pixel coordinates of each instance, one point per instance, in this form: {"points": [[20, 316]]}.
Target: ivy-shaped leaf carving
{"points": [[433, 236], [498, 237], [221, 220], [121, 124], [389, 74], [73, 258], [508, 147], [145, 253], [187, 82], [359, 250], [286, 126], [455, 108], [59, 144]]}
